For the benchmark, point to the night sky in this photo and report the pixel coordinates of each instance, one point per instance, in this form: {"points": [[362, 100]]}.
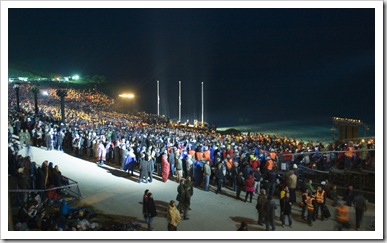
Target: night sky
{"points": [[257, 65]]}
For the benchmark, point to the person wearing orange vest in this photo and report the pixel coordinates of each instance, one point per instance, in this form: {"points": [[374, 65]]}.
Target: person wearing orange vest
{"points": [[342, 216], [303, 203], [310, 206], [269, 164], [320, 199]]}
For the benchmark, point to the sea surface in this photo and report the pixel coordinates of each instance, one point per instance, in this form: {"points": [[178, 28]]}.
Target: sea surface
{"points": [[297, 130]]}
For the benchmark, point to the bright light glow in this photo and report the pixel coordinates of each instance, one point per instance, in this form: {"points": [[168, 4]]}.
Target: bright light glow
{"points": [[57, 79], [44, 92], [129, 96], [75, 77]]}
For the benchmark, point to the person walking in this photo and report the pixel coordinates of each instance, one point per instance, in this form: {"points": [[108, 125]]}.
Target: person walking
{"points": [[286, 209], [149, 209], [342, 216], [173, 216], [269, 208], [360, 205]]}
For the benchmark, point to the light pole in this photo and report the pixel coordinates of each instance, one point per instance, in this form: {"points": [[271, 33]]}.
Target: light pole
{"points": [[16, 88], [35, 90], [158, 98], [202, 105], [62, 93], [179, 101]]}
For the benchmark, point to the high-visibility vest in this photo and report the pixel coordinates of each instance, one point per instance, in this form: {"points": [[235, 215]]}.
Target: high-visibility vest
{"points": [[349, 152], [302, 203], [320, 196], [342, 213], [309, 203], [269, 164]]}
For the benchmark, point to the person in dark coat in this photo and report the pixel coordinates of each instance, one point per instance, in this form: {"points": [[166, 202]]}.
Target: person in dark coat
{"points": [[360, 204], [219, 178], [269, 208], [151, 166], [286, 209], [186, 202], [260, 202], [180, 194], [240, 184], [143, 169], [149, 209], [60, 138], [171, 160]]}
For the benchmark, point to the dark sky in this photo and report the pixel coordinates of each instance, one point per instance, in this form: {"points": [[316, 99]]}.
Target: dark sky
{"points": [[257, 64]]}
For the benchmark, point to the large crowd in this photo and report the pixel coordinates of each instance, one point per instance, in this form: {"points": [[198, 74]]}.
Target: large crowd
{"points": [[152, 145]]}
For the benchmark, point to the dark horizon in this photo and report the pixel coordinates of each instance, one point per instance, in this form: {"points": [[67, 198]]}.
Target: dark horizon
{"points": [[257, 65]]}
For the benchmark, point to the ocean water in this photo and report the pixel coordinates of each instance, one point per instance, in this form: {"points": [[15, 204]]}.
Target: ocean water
{"points": [[295, 129]]}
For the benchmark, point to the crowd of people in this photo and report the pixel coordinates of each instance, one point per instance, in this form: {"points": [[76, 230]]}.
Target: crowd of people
{"points": [[152, 145]]}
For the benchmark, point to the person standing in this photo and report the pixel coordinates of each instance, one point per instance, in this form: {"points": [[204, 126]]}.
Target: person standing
{"points": [[260, 202], [186, 202], [304, 203], [206, 174], [179, 165], [149, 209], [292, 184], [320, 199], [360, 204], [180, 194], [171, 160], [60, 138], [188, 184], [143, 169], [249, 187], [240, 184], [219, 178], [311, 209], [165, 167], [286, 209], [173, 216], [151, 166], [269, 208]]}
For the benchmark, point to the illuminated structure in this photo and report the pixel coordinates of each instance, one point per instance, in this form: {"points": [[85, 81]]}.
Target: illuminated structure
{"points": [[348, 128]]}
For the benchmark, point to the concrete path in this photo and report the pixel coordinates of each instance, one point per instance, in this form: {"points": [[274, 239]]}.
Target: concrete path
{"points": [[112, 191]]}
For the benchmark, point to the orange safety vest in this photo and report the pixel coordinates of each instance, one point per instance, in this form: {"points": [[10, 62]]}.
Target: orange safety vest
{"points": [[269, 164], [320, 196], [206, 155], [309, 203], [199, 155], [229, 163], [273, 156], [192, 153], [342, 213], [349, 152], [302, 203]]}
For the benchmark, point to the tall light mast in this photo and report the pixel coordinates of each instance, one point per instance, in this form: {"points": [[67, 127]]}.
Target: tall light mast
{"points": [[158, 98], [179, 101]]}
